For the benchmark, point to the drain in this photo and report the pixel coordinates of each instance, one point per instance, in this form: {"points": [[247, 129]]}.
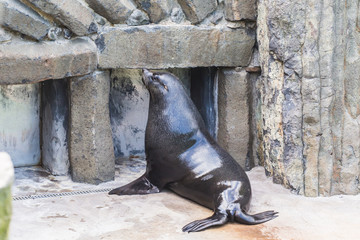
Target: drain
{"points": [[62, 194]]}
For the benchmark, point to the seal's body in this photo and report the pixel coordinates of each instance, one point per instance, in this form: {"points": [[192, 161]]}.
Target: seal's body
{"points": [[182, 156]]}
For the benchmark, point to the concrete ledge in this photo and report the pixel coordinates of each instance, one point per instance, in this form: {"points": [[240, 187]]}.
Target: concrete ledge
{"points": [[180, 46], [35, 62]]}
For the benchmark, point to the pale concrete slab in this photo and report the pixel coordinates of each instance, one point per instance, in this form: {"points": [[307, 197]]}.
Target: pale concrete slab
{"points": [[161, 216], [28, 62], [173, 46]]}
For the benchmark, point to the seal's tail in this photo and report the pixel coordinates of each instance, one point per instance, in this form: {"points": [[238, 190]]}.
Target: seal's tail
{"points": [[244, 218]]}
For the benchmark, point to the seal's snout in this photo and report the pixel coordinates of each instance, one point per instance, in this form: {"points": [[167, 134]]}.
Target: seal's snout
{"points": [[146, 76]]}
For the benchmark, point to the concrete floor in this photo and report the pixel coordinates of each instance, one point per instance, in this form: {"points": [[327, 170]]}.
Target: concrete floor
{"points": [[161, 216]]}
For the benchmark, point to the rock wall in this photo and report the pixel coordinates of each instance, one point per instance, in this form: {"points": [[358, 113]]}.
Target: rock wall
{"points": [[309, 93], [74, 43], [289, 102]]}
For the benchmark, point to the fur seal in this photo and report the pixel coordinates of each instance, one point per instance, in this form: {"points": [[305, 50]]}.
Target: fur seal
{"points": [[182, 156]]}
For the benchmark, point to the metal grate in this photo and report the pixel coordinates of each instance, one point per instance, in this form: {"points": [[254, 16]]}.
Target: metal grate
{"points": [[62, 194]]}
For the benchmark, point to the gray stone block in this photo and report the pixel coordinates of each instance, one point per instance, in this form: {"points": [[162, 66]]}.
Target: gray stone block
{"points": [[91, 146], [177, 15], [20, 123], [75, 15], [55, 126], [24, 62], [116, 11], [138, 18], [236, 10], [6, 180], [4, 36], [197, 10], [161, 46], [233, 108], [21, 18], [156, 9]]}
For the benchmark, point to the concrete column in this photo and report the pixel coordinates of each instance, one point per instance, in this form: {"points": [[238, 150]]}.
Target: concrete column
{"points": [[55, 125], [20, 123], [233, 108], [6, 179], [91, 146]]}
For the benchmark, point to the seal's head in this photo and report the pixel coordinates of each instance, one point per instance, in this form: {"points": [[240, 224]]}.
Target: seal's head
{"points": [[161, 83]]}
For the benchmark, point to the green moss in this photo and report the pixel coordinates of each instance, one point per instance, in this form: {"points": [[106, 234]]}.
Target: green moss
{"points": [[5, 212]]}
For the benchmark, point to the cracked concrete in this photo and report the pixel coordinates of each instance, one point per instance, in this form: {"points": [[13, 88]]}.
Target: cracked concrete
{"points": [[161, 216]]}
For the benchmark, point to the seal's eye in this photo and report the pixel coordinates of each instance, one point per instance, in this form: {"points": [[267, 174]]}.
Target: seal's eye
{"points": [[157, 79]]}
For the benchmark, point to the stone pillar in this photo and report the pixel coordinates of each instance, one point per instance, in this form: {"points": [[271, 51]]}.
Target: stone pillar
{"points": [[20, 123], [233, 107], [91, 146], [310, 94], [55, 125], [6, 179]]}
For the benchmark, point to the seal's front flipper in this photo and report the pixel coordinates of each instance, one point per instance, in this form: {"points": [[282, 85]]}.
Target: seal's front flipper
{"points": [[242, 217], [140, 186], [215, 220]]}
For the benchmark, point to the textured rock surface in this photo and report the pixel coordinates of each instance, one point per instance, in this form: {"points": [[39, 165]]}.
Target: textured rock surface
{"points": [[72, 13], [196, 10], [25, 62], [20, 18], [256, 151], [55, 126], [91, 146], [6, 180], [20, 123], [236, 10], [177, 15], [233, 107], [310, 94], [161, 46], [113, 10]]}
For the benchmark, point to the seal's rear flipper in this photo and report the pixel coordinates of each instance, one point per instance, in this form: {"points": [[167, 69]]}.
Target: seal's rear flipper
{"points": [[242, 217], [215, 220], [140, 186]]}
